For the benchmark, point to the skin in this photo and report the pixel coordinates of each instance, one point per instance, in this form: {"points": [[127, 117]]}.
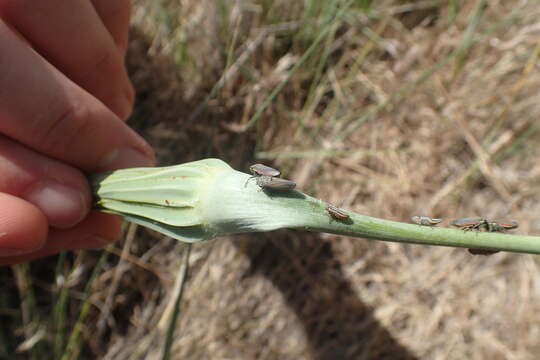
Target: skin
{"points": [[64, 96]]}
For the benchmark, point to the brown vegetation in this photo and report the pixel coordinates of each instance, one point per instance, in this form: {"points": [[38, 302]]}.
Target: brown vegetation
{"points": [[400, 109]]}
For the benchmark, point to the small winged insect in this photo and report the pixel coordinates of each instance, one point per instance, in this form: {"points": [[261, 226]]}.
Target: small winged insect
{"points": [[472, 223], [501, 226], [425, 220], [478, 223], [336, 213], [273, 183], [262, 170], [495, 226]]}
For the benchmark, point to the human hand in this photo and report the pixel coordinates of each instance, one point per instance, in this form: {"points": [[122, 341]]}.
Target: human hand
{"points": [[64, 92]]}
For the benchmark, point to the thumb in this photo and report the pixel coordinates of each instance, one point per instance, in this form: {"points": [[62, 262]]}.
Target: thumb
{"points": [[23, 227]]}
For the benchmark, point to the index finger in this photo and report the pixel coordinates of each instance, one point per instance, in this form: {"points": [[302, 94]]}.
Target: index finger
{"points": [[72, 37], [43, 109], [115, 17]]}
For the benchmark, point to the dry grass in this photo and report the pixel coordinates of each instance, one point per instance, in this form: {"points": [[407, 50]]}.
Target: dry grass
{"points": [[425, 107]]}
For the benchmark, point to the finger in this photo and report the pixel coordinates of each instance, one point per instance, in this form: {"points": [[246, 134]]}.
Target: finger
{"points": [[58, 190], [72, 37], [23, 227], [44, 110], [115, 17], [97, 230]]}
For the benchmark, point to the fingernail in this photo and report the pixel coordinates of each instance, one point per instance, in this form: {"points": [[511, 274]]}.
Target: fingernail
{"points": [[62, 205], [125, 157]]}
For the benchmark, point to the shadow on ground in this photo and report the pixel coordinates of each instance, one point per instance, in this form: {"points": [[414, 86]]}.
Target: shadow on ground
{"points": [[337, 324]]}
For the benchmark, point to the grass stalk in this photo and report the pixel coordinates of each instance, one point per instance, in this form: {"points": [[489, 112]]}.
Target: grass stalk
{"points": [[60, 305], [73, 346], [177, 298], [311, 49]]}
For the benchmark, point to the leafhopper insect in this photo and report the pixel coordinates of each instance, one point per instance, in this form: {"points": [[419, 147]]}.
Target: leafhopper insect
{"points": [[477, 223], [336, 213], [273, 183], [260, 170], [472, 223], [425, 220], [263, 170]]}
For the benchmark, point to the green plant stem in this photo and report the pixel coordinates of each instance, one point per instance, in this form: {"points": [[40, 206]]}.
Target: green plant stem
{"points": [[362, 226], [207, 198], [379, 229], [308, 213]]}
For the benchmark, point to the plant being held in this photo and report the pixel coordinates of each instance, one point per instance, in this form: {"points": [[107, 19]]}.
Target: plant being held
{"points": [[205, 199]]}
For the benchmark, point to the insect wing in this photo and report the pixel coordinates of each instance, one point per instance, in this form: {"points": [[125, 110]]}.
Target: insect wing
{"points": [[508, 225], [268, 182], [468, 222], [263, 170]]}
